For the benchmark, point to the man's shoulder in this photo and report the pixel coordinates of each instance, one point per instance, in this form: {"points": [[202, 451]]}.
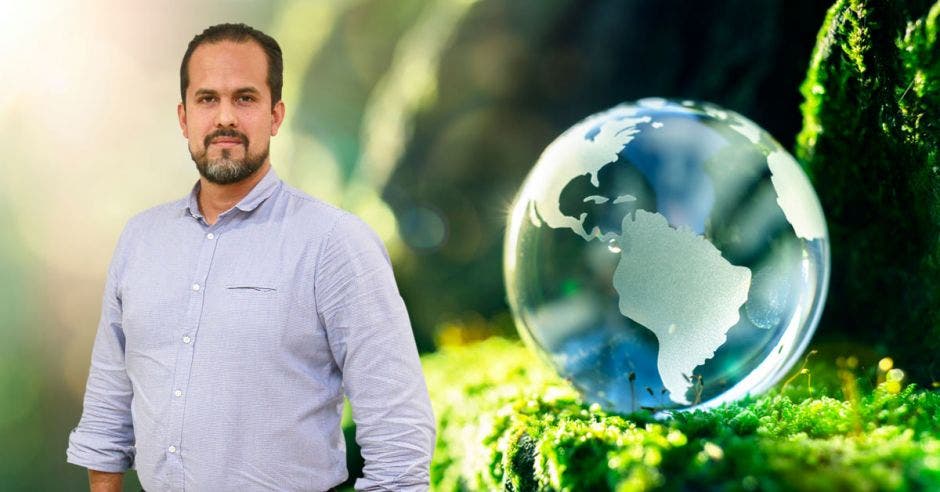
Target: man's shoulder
{"points": [[340, 223], [310, 204], [139, 227], [310, 207], [158, 213]]}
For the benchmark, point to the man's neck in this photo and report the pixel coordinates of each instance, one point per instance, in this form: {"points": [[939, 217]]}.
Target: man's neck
{"points": [[215, 198]]}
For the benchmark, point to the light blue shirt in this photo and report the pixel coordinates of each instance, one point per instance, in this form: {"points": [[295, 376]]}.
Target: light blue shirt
{"points": [[224, 351]]}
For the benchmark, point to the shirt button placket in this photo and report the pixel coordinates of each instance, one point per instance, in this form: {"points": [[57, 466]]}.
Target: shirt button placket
{"points": [[184, 362]]}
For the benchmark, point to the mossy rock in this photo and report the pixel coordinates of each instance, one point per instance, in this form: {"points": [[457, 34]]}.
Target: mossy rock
{"points": [[506, 422], [870, 143]]}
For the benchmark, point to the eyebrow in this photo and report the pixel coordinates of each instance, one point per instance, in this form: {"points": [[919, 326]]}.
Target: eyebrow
{"points": [[240, 90]]}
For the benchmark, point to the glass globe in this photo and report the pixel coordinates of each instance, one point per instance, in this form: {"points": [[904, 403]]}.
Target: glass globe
{"points": [[667, 255]]}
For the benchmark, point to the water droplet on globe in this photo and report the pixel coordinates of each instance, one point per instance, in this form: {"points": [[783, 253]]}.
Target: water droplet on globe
{"points": [[726, 272], [613, 246]]}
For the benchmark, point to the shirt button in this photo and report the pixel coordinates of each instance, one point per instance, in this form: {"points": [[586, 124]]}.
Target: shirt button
{"points": [[186, 339], [171, 449], [210, 236], [177, 393], [195, 286]]}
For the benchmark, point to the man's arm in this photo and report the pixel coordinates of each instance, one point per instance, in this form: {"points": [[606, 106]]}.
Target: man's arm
{"points": [[105, 482], [372, 342], [104, 438]]}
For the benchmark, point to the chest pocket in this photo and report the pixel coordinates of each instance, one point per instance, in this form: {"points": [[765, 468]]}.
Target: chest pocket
{"points": [[250, 288], [260, 296], [243, 310], [251, 299]]}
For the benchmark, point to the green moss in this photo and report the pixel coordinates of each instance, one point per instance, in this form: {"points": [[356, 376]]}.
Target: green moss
{"points": [[870, 143], [505, 421]]}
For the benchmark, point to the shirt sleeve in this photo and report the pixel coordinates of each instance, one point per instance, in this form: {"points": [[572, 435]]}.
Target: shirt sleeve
{"points": [[373, 344], [104, 438]]}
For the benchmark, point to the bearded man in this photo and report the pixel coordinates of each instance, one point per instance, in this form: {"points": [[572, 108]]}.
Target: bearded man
{"points": [[235, 319]]}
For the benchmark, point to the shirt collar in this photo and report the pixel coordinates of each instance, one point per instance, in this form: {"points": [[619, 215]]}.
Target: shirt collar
{"points": [[261, 192]]}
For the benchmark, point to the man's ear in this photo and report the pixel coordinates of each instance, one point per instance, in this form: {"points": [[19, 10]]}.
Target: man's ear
{"points": [[277, 113], [181, 114]]}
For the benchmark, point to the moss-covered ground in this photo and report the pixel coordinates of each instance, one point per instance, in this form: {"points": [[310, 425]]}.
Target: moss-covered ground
{"points": [[507, 422]]}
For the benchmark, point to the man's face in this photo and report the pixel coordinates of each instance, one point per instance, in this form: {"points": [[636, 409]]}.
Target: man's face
{"points": [[228, 118]]}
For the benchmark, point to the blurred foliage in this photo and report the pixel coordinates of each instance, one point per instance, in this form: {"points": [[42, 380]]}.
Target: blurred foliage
{"points": [[870, 142], [517, 74], [20, 387], [506, 422]]}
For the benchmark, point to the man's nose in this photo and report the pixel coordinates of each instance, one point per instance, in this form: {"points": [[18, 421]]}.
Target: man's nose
{"points": [[226, 116]]}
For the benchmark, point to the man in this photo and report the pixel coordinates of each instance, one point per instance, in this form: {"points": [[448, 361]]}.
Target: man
{"points": [[235, 318]]}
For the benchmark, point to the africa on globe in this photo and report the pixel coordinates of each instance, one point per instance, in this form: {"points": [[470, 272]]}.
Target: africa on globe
{"points": [[667, 255]]}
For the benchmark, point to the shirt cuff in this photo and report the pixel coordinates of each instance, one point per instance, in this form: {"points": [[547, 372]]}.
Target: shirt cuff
{"points": [[98, 453]]}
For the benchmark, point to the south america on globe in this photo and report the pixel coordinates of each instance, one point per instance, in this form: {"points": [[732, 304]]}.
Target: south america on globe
{"points": [[666, 255]]}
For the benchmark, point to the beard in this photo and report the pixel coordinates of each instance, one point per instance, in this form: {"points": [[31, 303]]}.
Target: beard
{"points": [[224, 169]]}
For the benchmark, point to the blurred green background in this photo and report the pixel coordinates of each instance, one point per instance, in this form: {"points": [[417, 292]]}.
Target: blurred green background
{"points": [[421, 116]]}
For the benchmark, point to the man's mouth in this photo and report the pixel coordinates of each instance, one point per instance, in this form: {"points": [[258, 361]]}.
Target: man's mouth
{"points": [[227, 142]]}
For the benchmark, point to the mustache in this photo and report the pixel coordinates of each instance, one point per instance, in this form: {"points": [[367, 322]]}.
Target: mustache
{"points": [[225, 132]]}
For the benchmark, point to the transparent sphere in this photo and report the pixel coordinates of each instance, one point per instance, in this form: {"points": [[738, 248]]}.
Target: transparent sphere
{"points": [[666, 255]]}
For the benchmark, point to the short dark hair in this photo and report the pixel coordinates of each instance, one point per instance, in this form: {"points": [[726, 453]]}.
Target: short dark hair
{"points": [[238, 33]]}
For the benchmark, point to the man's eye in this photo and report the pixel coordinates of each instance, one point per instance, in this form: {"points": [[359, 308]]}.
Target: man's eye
{"points": [[206, 99], [246, 99]]}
